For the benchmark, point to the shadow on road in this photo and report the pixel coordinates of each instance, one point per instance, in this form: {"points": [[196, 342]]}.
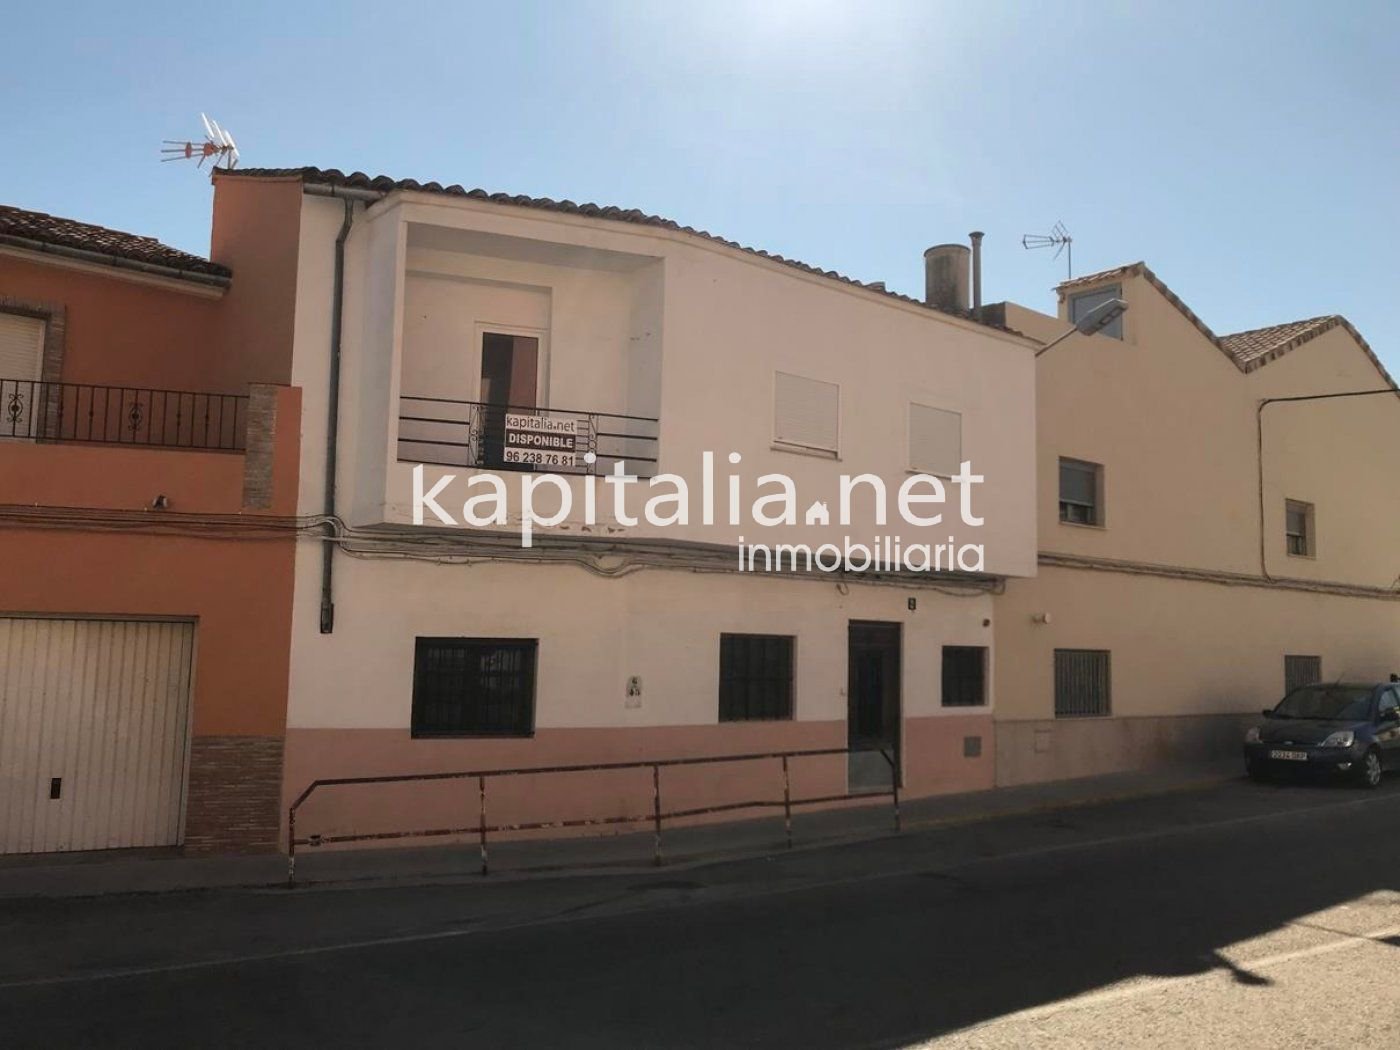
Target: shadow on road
{"points": [[899, 954]]}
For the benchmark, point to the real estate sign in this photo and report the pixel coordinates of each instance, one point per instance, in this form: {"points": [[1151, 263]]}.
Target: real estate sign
{"points": [[540, 440]]}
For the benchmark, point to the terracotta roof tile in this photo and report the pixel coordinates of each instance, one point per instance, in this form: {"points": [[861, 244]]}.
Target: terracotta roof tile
{"points": [[1127, 270], [385, 184], [1250, 350], [35, 229], [1259, 343]]}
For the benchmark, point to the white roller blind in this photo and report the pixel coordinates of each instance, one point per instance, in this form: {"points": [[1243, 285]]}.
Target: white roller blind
{"points": [[935, 439], [806, 412], [21, 358], [21, 346]]}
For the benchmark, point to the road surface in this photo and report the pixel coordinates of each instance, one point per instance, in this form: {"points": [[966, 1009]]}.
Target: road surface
{"points": [[1244, 915]]}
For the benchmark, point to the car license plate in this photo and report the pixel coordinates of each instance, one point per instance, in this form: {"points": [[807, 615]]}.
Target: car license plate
{"points": [[1289, 756]]}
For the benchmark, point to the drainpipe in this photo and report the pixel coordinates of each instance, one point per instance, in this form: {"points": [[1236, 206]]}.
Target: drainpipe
{"points": [[333, 422]]}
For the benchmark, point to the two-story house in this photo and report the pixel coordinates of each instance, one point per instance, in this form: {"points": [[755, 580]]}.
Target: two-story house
{"points": [[1217, 523], [450, 342], [148, 456]]}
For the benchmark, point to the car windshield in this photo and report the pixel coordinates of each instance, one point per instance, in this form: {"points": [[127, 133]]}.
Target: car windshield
{"points": [[1332, 703]]}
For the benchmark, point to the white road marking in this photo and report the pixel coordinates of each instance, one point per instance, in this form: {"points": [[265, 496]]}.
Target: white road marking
{"points": [[1154, 985], [441, 935]]}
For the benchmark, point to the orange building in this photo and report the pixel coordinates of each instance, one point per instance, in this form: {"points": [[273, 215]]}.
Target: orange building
{"points": [[148, 469]]}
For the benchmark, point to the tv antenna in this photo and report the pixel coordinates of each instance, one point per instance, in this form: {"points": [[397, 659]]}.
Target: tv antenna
{"points": [[1059, 239], [217, 143]]}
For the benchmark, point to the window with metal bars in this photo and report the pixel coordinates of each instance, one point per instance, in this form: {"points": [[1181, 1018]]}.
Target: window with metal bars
{"points": [[474, 687], [755, 677], [964, 676], [1299, 671], [1082, 683]]}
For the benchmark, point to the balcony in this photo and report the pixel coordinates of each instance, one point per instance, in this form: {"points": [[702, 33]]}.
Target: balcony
{"points": [[474, 434], [81, 413]]}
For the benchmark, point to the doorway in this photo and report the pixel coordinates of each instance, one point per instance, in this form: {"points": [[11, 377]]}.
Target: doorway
{"points": [[873, 691], [510, 376]]}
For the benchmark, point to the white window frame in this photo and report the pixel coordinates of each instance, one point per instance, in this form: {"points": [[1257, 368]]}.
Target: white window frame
{"points": [[792, 446], [1100, 492], [43, 324], [1309, 534], [914, 468], [484, 328], [1114, 291], [24, 390]]}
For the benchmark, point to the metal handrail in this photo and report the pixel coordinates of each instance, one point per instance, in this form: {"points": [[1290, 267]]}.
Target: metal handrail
{"points": [[474, 435], [657, 816], [90, 413], [529, 408]]}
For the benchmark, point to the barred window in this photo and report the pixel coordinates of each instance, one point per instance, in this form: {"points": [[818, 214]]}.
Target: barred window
{"points": [[755, 677], [964, 675], [1299, 671], [474, 687], [1082, 683]]}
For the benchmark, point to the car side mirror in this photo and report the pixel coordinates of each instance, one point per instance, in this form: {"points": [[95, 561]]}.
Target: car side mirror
{"points": [[1390, 715], [1268, 712]]}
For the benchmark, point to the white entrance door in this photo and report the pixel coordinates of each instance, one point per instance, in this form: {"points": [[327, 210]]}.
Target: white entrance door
{"points": [[94, 731]]}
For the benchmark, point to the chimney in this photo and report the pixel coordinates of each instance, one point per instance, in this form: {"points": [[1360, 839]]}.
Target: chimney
{"points": [[976, 238], [945, 277]]}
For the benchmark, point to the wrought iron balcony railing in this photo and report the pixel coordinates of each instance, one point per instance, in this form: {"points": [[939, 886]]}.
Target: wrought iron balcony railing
{"points": [[450, 433], [33, 410]]}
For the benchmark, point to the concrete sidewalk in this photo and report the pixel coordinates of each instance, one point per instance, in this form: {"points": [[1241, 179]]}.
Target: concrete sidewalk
{"points": [[94, 874]]}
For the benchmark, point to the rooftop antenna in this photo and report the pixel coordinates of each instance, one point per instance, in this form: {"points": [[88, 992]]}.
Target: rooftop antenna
{"points": [[1059, 239], [217, 143]]}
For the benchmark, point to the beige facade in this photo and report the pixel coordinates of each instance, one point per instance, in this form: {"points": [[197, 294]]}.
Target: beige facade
{"points": [[634, 327], [1195, 601], [1176, 590]]}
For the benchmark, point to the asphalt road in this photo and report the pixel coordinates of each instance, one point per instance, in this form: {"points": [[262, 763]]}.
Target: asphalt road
{"points": [[1246, 915]]}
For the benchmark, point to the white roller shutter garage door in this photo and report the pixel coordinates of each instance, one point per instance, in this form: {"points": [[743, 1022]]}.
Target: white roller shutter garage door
{"points": [[94, 733]]}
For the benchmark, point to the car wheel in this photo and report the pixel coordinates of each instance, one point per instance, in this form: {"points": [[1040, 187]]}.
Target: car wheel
{"points": [[1368, 773], [1255, 770]]}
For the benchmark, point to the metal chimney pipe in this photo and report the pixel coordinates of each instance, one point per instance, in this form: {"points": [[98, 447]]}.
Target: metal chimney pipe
{"points": [[976, 237]]}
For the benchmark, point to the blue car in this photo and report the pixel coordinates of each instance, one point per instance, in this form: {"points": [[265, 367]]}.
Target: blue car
{"points": [[1346, 728]]}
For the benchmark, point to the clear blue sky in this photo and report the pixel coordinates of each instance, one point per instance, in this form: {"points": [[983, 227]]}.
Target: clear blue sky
{"points": [[1249, 152]]}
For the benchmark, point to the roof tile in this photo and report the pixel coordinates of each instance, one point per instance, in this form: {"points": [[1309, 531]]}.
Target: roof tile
{"points": [[1249, 350], [384, 184], [1259, 343], [35, 229]]}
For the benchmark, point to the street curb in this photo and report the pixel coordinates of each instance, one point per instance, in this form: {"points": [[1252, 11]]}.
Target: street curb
{"points": [[682, 862]]}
